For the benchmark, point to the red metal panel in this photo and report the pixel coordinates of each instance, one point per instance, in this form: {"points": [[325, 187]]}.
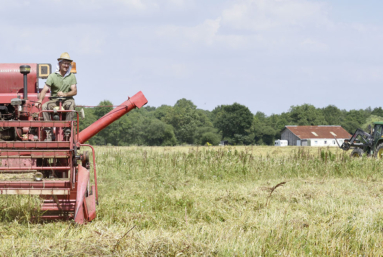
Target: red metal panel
{"points": [[34, 124], [56, 168], [24, 163], [35, 191], [58, 216], [55, 207], [94, 169], [34, 154], [39, 145], [35, 184], [83, 179], [90, 206], [11, 80]]}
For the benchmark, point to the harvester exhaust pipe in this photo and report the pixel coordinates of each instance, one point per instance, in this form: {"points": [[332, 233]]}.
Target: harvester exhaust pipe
{"points": [[138, 100], [25, 69]]}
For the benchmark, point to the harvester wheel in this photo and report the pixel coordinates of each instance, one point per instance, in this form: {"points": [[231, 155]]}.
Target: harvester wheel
{"points": [[357, 152], [379, 152]]}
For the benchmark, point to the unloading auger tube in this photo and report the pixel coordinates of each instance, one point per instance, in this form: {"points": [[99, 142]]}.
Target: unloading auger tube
{"points": [[138, 100]]}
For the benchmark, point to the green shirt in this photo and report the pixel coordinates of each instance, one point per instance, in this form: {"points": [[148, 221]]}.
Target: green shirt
{"points": [[57, 83]]}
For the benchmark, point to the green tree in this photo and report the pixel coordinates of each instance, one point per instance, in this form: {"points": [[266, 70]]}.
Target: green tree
{"points": [[378, 111], [100, 111], [233, 121], [263, 131], [207, 134], [185, 119], [333, 115], [211, 138], [158, 133], [162, 111], [306, 115]]}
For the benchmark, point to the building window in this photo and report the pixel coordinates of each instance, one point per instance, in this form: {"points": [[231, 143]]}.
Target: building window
{"points": [[325, 142]]}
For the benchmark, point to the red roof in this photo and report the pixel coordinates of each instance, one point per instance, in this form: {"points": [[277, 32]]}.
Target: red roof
{"points": [[306, 132]]}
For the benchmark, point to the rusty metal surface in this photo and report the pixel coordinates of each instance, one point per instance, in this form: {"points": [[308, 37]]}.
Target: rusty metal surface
{"points": [[34, 124], [33, 191], [82, 183], [12, 80], [45, 184], [28, 144], [35, 168], [90, 206], [34, 154]]}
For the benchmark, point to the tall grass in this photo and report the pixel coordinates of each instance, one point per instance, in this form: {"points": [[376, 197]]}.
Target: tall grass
{"points": [[223, 201]]}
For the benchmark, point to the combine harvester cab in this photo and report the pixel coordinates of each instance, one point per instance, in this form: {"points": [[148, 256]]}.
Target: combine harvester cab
{"points": [[53, 169]]}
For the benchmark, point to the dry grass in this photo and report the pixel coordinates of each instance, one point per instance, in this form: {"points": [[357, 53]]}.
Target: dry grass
{"points": [[211, 201]]}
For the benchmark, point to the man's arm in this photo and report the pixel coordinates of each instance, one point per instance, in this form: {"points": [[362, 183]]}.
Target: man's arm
{"points": [[72, 92], [42, 95]]}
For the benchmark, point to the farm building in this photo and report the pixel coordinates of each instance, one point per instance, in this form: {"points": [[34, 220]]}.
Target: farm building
{"points": [[314, 135]]}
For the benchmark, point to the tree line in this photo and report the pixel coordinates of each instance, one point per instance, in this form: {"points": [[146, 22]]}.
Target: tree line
{"points": [[184, 123]]}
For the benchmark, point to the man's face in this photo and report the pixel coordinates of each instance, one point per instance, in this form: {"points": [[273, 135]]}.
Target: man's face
{"points": [[64, 65]]}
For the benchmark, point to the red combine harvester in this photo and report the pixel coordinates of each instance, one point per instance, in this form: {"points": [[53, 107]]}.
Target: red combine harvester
{"points": [[52, 168]]}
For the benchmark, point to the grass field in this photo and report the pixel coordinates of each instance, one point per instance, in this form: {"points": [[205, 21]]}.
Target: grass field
{"points": [[215, 201]]}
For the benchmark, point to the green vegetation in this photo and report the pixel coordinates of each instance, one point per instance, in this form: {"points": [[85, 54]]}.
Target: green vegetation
{"points": [[184, 124], [215, 201], [370, 120]]}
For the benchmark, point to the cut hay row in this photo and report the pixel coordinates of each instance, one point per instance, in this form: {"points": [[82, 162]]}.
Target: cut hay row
{"points": [[207, 201]]}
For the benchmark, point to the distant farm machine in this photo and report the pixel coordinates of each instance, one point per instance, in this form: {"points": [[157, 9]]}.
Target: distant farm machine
{"points": [[52, 168], [363, 142]]}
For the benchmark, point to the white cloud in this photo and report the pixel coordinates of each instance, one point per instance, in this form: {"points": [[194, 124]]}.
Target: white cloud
{"points": [[138, 4], [84, 39], [314, 45], [247, 24], [204, 33], [261, 15]]}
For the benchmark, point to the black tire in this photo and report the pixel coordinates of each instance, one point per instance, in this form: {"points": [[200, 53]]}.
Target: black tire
{"points": [[379, 152], [357, 152]]}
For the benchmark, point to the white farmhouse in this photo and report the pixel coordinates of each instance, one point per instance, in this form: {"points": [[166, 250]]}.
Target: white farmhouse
{"points": [[314, 135]]}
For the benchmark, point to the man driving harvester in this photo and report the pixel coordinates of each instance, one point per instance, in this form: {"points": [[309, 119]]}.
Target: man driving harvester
{"points": [[62, 83]]}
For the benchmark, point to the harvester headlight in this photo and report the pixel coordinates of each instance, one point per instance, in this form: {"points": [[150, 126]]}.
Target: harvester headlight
{"points": [[25, 69], [38, 176]]}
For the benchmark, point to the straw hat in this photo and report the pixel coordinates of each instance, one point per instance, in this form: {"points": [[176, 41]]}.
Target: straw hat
{"points": [[65, 56]]}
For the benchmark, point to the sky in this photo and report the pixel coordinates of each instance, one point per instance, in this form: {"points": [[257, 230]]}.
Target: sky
{"points": [[265, 54]]}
